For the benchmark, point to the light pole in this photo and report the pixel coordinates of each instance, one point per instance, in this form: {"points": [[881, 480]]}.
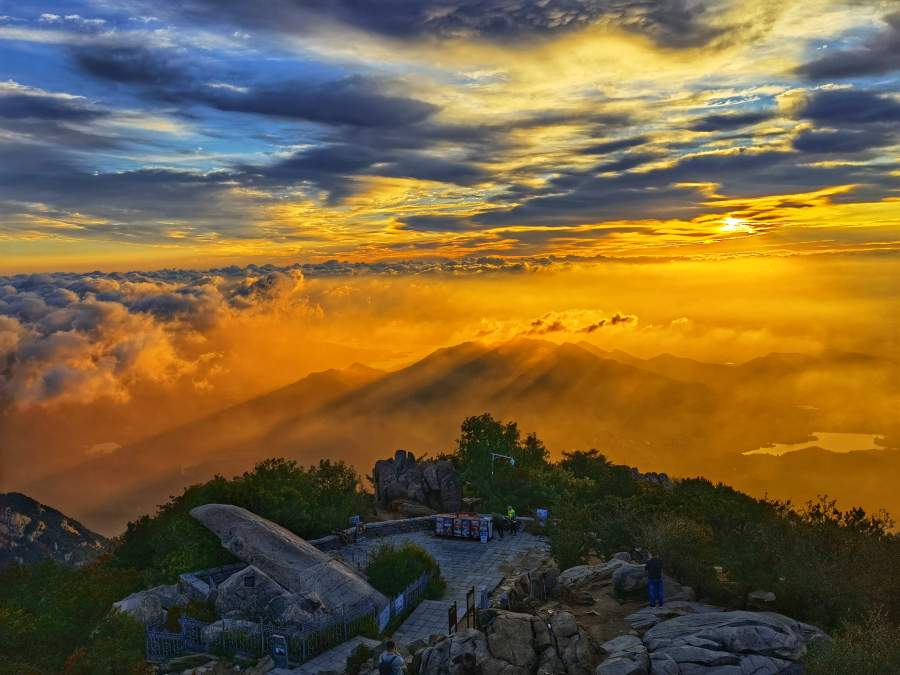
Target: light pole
{"points": [[494, 455]]}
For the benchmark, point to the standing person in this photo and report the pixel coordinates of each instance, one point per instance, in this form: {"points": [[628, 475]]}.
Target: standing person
{"points": [[390, 663], [654, 579], [513, 521]]}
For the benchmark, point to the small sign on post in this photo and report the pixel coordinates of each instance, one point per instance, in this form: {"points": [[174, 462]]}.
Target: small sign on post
{"points": [[280, 651], [485, 602], [542, 515], [451, 619], [354, 520], [470, 606], [484, 537]]}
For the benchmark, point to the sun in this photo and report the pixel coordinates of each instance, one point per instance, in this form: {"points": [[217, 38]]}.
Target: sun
{"points": [[736, 225]]}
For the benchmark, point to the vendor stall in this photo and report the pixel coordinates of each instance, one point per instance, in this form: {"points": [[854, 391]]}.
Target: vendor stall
{"points": [[463, 525]]}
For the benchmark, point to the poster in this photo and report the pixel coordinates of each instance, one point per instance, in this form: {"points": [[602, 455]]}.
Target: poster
{"points": [[542, 515]]}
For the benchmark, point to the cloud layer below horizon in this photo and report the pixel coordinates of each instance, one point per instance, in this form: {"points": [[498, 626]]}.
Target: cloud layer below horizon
{"points": [[147, 133]]}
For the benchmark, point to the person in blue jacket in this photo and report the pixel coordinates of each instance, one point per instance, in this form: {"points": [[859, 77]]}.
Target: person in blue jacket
{"points": [[654, 579]]}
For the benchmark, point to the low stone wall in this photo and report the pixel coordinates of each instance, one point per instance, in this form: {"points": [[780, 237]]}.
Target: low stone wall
{"points": [[387, 528], [380, 529]]}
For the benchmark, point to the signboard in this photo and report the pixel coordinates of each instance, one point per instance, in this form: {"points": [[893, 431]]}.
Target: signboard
{"points": [[485, 602], [542, 515], [484, 537], [399, 604], [470, 605], [451, 619], [384, 618], [280, 651], [354, 520]]}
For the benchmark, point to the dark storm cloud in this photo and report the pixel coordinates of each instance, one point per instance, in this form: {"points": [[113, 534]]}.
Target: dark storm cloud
{"points": [[613, 146], [726, 122], [851, 106], [670, 23], [849, 121], [354, 100], [878, 55], [840, 140], [31, 106], [128, 65]]}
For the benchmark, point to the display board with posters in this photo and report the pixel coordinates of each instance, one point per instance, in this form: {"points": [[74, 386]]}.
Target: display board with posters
{"points": [[463, 525]]}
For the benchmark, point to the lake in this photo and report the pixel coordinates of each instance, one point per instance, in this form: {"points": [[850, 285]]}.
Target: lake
{"points": [[827, 441]]}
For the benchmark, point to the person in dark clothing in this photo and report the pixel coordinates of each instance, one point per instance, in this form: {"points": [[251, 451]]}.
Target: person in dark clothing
{"points": [[513, 521], [390, 663], [654, 579]]}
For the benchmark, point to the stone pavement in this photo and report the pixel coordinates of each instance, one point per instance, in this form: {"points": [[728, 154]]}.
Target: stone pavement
{"points": [[335, 659], [464, 564]]}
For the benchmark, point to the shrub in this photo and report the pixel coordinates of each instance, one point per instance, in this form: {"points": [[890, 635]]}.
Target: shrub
{"points": [[870, 647], [308, 502], [570, 537], [394, 567], [686, 548]]}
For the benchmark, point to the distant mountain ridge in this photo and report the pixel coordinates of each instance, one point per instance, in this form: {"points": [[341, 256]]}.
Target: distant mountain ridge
{"points": [[665, 414], [31, 531]]}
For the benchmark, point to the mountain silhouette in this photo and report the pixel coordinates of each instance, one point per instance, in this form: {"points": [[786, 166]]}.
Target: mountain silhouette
{"points": [[663, 414]]}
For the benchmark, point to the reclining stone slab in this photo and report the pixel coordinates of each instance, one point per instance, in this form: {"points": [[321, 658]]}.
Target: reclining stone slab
{"points": [[287, 559]]}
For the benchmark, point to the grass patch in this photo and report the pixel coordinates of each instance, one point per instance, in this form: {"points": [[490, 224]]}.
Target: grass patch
{"points": [[393, 568]]}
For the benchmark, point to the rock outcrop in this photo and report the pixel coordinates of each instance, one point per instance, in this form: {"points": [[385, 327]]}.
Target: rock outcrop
{"points": [[285, 558], [149, 607], [31, 532], [694, 639], [433, 484], [653, 478]]}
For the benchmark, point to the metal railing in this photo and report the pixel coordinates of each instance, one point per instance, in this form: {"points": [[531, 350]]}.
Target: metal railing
{"points": [[312, 638]]}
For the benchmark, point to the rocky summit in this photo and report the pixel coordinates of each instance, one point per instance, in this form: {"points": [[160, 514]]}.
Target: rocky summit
{"points": [[31, 532], [432, 484]]}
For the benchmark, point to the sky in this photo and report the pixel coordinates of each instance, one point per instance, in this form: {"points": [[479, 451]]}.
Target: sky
{"points": [[229, 195], [207, 133]]}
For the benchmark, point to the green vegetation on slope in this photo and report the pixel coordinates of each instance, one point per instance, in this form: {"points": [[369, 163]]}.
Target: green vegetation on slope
{"points": [[310, 503], [833, 568]]}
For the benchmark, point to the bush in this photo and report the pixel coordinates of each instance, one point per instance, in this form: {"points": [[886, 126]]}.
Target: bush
{"points": [[686, 548], [393, 567], [49, 612], [569, 535], [870, 647], [308, 502]]}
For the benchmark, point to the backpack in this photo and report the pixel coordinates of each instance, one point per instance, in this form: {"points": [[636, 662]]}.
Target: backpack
{"points": [[386, 667]]}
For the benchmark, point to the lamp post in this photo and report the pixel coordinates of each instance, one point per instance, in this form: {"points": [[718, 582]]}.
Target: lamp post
{"points": [[494, 455]]}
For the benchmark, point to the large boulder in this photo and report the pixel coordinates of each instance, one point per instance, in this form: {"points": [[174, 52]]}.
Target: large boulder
{"points": [[336, 585], [511, 639], [250, 592], [438, 658], [144, 606], [730, 643], [285, 558], [271, 548], [629, 578], [627, 656], [432, 484], [575, 576]]}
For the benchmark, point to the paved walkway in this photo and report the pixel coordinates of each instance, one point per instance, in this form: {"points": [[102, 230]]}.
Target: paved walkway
{"points": [[464, 564], [335, 659]]}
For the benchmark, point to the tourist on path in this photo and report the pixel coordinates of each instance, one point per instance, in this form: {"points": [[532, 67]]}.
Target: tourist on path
{"points": [[654, 579], [390, 663], [513, 521]]}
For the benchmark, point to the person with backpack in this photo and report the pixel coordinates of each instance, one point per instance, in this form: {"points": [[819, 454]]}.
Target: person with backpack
{"points": [[654, 579], [390, 663], [513, 521]]}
